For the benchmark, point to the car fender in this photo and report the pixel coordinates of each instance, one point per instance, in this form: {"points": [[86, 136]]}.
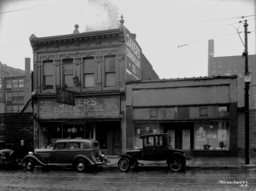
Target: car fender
{"points": [[176, 154], [36, 159], [129, 157], [82, 157]]}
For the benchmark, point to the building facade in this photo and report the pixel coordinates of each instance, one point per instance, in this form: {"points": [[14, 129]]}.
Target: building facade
{"points": [[95, 66], [199, 113], [235, 65], [15, 88]]}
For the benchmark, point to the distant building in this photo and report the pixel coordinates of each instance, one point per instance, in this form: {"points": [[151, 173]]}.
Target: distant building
{"points": [[15, 88], [233, 65], [101, 15]]}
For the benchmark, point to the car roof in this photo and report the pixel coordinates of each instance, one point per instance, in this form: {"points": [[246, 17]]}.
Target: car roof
{"points": [[153, 134]]}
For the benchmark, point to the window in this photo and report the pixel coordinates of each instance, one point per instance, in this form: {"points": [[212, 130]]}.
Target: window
{"points": [[148, 141], [203, 111], [9, 97], [9, 84], [223, 111], [110, 71], [48, 75], [212, 136], [89, 67], [9, 109], [1, 84], [183, 112], [15, 98], [68, 73], [15, 84], [15, 109], [21, 83]]}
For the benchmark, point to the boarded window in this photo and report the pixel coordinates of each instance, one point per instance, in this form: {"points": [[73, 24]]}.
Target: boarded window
{"points": [[110, 71], [183, 112], [48, 75], [203, 111], [89, 68]]}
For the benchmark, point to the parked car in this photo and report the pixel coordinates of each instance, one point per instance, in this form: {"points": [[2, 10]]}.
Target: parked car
{"points": [[8, 157], [155, 147], [80, 153]]}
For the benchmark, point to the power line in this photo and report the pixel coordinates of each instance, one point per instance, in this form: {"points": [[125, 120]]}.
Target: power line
{"points": [[205, 40], [203, 21], [22, 9]]}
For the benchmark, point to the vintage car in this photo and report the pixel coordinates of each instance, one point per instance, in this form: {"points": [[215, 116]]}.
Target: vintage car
{"points": [[155, 147], [8, 157], [80, 153]]}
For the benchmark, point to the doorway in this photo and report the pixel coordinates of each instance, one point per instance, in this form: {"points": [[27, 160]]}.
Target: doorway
{"points": [[181, 135], [109, 136]]}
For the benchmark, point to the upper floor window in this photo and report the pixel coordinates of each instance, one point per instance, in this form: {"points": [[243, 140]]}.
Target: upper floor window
{"points": [[110, 71], [15, 84], [9, 84], [89, 77], [48, 74], [223, 111], [21, 83], [1, 84], [203, 111], [68, 73]]}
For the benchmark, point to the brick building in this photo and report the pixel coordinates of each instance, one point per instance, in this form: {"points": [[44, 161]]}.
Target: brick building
{"points": [[95, 66]]}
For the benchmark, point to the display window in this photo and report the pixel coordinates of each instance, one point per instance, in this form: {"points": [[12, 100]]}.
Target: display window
{"points": [[212, 136]]}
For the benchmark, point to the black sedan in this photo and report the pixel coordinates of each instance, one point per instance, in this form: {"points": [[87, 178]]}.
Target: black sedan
{"points": [[8, 157]]}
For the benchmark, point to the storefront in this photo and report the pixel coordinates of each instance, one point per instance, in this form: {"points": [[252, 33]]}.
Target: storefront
{"points": [[95, 117], [200, 114]]}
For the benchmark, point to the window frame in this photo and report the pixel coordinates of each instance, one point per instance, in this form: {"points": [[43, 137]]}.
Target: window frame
{"points": [[84, 73], [64, 74], [109, 72], [44, 75]]}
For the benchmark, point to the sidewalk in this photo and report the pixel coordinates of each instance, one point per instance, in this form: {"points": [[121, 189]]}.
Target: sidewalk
{"points": [[198, 163]]}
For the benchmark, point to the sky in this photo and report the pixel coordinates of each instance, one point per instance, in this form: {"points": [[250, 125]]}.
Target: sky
{"points": [[173, 34]]}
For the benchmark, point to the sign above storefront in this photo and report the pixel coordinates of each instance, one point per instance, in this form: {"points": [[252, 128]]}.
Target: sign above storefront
{"points": [[65, 96], [87, 107]]}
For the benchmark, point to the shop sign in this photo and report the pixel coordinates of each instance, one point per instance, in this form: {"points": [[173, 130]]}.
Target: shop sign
{"points": [[65, 96], [89, 107], [133, 57]]}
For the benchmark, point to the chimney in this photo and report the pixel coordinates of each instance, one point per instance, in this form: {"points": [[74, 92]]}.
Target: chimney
{"points": [[210, 48]]}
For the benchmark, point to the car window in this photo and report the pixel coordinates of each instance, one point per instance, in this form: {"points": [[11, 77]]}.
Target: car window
{"points": [[59, 146], [149, 141], [159, 140], [74, 146]]}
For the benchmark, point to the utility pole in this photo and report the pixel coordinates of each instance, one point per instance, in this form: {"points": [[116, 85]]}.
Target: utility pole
{"points": [[247, 80]]}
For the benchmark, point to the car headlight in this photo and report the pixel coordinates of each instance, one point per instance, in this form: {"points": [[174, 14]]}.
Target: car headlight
{"points": [[30, 153], [3, 157]]}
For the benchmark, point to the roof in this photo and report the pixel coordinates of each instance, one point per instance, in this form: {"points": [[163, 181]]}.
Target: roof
{"points": [[183, 79], [72, 140]]}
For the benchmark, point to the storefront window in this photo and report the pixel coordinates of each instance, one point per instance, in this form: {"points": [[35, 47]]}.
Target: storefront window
{"points": [[212, 136]]}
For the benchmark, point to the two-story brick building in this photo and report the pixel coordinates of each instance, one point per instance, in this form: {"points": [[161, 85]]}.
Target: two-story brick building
{"points": [[95, 66]]}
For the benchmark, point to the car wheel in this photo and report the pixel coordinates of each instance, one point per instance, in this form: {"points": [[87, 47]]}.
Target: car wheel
{"points": [[124, 164], [80, 165], [30, 165], [176, 164]]}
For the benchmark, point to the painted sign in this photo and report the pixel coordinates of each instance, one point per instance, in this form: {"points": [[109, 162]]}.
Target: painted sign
{"points": [[89, 107], [133, 57]]}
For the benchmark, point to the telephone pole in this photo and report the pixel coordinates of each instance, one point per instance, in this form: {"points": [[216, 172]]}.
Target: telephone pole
{"points": [[247, 80]]}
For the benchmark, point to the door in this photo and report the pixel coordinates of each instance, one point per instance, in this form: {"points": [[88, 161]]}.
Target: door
{"points": [[149, 149], [181, 136], [59, 153]]}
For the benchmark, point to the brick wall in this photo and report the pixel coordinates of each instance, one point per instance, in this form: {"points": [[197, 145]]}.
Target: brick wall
{"points": [[147, 71]]}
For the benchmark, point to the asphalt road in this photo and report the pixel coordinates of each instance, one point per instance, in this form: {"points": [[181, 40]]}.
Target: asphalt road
{"points": [[141, 180]]}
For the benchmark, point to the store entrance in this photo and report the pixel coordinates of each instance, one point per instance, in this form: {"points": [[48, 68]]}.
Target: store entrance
{"points": [[181, 135], [109, 136]]}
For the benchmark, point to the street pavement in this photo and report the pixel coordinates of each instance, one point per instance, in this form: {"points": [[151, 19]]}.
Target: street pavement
{"points": [[197, 162]]}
